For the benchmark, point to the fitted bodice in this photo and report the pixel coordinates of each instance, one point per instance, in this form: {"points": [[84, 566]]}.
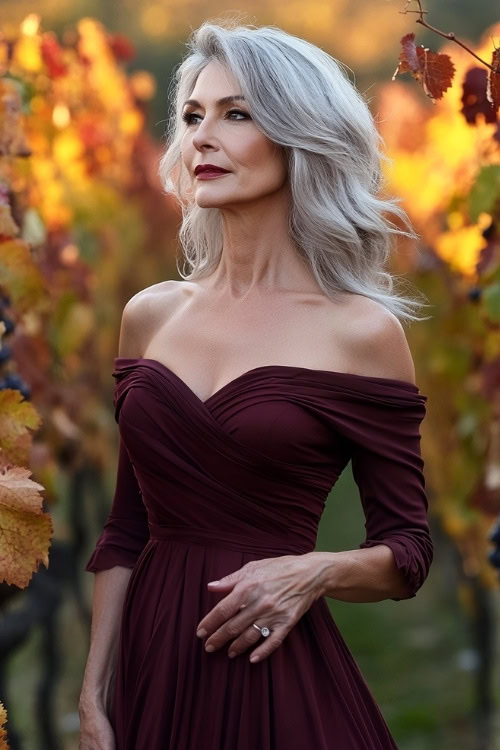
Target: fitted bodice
{"points": [[259, 457]]}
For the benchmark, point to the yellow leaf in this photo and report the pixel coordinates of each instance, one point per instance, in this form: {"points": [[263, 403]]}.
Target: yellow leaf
{"points": [[8, 226], [27, 53], [24, 544], [3, 732], [131, 122], [67, 147], [20, 277], [25, 530], [143, 84], [74, 329], [16, 417], [460, 248], [18, 492]]}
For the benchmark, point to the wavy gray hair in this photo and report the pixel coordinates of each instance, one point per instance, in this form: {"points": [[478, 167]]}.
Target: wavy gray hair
{"points": [[302, 99]]}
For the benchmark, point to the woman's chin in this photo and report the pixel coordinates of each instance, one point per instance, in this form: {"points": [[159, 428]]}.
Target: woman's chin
{"points": [[210, 201]]}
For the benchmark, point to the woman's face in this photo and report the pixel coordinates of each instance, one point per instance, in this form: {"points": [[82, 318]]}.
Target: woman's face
{"points": [[223, 134]]}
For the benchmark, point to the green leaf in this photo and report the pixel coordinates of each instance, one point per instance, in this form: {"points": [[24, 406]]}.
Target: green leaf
{"points": [[491, 296], [485, 191]]}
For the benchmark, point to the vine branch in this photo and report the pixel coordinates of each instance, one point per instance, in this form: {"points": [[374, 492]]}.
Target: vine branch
{"points": [[450, 35]]}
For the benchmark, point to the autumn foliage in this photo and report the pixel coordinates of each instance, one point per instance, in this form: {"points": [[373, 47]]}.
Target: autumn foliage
{"points": [[446, 166], [70, 124]]}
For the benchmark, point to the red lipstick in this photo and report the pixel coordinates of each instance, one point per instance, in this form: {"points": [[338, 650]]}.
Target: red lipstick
{"points": [[207, 171]]}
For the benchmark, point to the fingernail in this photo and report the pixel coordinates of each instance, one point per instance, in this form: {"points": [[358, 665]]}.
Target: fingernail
{"points": [[232, 654], [209, 648], [254, 658], [213, 583], [201, 633]]}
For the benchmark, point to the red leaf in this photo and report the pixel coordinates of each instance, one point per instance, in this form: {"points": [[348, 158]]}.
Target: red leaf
{"points": [[493, 86], [121, 46], [434, 71], [474, 96], [408, 61], [52, 56]]}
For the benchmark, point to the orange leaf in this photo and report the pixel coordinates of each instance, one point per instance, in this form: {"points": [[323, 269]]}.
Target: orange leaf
{"points": [[19, 493], [16, 417], [3, 732], [24, 535]]}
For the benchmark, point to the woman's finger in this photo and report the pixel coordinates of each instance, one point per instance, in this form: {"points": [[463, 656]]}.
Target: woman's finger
{"points": [[249, 637], [234, 626], [269, 644], [222, 612]]}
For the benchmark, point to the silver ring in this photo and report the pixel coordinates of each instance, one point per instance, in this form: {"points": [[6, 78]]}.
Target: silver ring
{"points": [[263, 630]]}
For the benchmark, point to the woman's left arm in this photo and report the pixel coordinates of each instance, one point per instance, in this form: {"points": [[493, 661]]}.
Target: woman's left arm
{"points": [[359, 575], [383, 432]]}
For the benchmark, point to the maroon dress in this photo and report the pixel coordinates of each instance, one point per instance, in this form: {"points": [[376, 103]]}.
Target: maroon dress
{"points": [[205, 486]]}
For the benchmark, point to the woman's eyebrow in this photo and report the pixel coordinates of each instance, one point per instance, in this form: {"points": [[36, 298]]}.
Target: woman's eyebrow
{"points": [[219, 102]]}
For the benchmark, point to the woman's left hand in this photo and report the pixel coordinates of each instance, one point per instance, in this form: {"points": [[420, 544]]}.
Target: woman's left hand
{"points": [[274, 592]]}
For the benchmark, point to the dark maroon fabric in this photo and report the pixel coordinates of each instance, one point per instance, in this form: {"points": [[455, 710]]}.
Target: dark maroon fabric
{"points": [[204, 487]]}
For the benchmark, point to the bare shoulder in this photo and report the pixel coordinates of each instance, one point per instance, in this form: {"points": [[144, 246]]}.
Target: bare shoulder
{"points": [[376, 341], [145, 312]]}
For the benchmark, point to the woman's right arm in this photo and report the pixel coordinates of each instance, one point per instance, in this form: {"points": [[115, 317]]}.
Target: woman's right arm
{"points": [[122, 540], [109, 593]]}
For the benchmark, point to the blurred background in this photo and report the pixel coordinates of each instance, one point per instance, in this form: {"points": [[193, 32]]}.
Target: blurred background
{"points": [[84, 226]]}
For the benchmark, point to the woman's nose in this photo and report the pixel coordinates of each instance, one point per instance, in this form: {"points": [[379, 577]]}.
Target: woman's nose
{"points": [[204, 135]]}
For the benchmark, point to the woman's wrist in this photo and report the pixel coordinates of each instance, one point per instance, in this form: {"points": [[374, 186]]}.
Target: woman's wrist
{"points": [[358, 575], [91, 701], [95, 696], [322, 572]]}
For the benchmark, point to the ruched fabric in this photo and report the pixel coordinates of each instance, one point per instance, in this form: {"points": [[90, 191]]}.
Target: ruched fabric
{"points": [[204, 487]]}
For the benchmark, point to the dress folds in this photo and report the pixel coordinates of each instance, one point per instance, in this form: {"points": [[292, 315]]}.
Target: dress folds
{"points": [[202, 488]]}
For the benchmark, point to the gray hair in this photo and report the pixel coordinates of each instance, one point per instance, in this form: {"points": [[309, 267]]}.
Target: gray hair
{"points": [[302, 99]]}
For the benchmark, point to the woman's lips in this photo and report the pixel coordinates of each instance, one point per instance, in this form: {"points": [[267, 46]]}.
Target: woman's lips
{"points": [[206, 175]]}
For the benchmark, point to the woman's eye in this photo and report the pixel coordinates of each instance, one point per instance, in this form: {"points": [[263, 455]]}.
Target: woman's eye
{"points": [[188, 116], [237, 112]]}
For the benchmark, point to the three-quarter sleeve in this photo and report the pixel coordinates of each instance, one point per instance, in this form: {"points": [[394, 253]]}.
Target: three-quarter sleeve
{"points": [[126, 531], [380, 419], [388, 469]]}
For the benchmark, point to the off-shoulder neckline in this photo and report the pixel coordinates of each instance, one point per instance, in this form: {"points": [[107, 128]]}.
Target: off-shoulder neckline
{"points": [[309, 371]]}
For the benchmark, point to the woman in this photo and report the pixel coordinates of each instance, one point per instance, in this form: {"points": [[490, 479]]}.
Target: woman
{"points": [[242, 392]]}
